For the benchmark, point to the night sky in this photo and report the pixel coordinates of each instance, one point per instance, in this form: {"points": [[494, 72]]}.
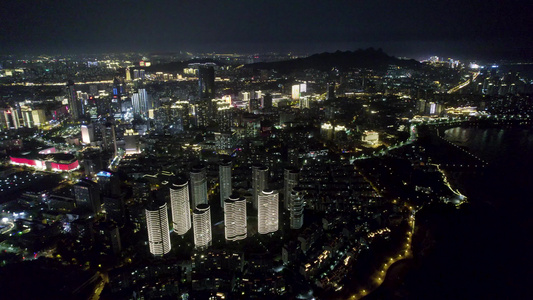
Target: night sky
{"points": [[418, 28]]}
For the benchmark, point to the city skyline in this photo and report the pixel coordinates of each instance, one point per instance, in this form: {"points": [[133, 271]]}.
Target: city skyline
{"points": [[191, 162]]}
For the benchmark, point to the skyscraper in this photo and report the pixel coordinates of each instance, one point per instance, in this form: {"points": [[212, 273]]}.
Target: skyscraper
{"points": [[224, 175], [158, 229], [181, 208], [73, 102], [87, 133], [206, 82], [139, 102], [87, 195], [109, 137], [235, 218], [331, 91], [259, 181], [290, 180], [201, 219], [268, 212], [128, 74], [296, 208], [11, 118], [198, 185], [267, 101]]}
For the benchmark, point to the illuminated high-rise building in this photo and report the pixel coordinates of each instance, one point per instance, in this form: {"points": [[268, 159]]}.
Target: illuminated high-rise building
{"points": [[27, 118], [131, 142], [73, 102], [39, 117], [199, 185], [180, 205], [303, 87], [259, 181], [290, 180], [201, 220], [224, 176], [179, 115], [201, 115], [139, 74], [326, 131], [268, 212], [224, 118], [140, 102], [128, 74], [11, 118], [109, 137], [235, 218], [295, 95], [87, 133], [158, 229], [296, 208], [118, 92]]}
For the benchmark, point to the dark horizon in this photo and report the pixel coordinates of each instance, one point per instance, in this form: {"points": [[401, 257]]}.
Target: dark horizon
{"points": [[474, 29]]}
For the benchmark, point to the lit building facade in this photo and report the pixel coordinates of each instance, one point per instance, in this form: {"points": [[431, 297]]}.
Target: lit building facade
{"points": [[87, 133], [180, 206], [139, 102], [268, 212], [201, 220], [235, 226], [370, 137], [295, 93], [158, 229], [11, 118]]}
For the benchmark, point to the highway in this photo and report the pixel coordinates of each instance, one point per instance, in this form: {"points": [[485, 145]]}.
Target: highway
{"points": [[463, 84]]}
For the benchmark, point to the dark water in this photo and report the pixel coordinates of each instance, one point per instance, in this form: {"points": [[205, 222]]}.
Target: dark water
{"points": [[508, 181], [484, 250], [489, 249]]}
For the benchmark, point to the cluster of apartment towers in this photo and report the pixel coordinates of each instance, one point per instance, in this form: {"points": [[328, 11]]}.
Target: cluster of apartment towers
{"points": [[185, 192]]}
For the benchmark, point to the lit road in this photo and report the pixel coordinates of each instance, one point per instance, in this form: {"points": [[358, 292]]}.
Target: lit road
{"points": [[463, 84], [379, 276], [100, 286], [447, 183], [7, 229]]}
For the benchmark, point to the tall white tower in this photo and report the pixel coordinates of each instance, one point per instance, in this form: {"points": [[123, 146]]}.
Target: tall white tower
{"points": [[201, 220], [87, 133], [235, 218], [158, 229], [140, 102], [297, 208], [268, 212], [224, 174], [290, 180], [198, 185], [259, 181], [180, 205]]}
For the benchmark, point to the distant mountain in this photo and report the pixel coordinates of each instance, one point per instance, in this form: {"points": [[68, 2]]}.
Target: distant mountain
{"points": [[368, 59]]}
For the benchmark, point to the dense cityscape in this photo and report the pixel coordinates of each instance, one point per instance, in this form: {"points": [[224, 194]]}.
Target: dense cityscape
{"points": [[233, 175], [265, 150]]}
